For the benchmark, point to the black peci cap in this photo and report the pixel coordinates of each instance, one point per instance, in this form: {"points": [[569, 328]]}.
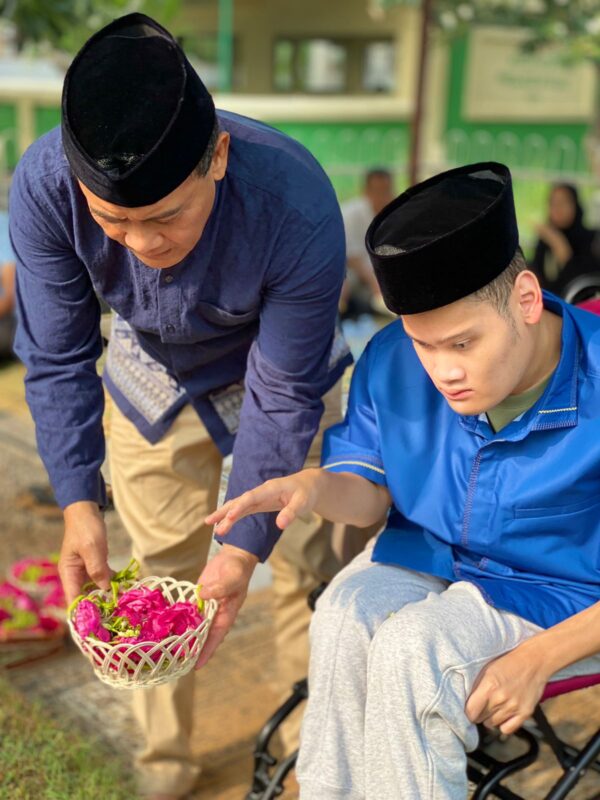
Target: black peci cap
{"points": [[444, 238], [136, 118]]}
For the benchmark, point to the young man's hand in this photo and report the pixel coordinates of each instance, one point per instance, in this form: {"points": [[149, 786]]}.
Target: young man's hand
{"points": [[84, 552], [293, 496], [225, 578], [338, 497], [508, 689]]}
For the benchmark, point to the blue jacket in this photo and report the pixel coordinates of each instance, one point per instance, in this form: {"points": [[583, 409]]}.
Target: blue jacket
{"points": [[255, 302], [517, 513]]}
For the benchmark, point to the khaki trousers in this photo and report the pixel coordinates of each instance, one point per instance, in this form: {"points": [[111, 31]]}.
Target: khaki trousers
{"points": [[163, 492]]}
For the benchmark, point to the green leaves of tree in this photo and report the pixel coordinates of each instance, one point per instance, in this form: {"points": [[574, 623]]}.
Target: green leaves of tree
{"points": [[66, 24]]}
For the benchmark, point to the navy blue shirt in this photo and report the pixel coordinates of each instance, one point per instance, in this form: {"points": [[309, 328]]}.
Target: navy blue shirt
{"points": [[517, 513], [255, 302]]}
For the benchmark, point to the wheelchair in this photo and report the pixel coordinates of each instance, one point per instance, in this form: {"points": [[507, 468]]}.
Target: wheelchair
{"points": [[583, 288], [485, 772]]}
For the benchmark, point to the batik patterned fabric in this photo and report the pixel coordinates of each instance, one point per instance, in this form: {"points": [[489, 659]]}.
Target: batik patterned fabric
{"points": [[142, 381], [153, 396]]}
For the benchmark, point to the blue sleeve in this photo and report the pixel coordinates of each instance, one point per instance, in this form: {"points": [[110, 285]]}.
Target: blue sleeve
{"points": [[354, 444], [58, 339], [288, 373]]}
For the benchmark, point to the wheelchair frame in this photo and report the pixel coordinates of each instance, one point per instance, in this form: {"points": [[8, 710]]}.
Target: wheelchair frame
{"points": [[483, 770]]}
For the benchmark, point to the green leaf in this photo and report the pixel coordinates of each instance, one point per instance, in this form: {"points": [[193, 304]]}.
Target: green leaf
{"points": [[200, 601], [21, 620], [67, 24], [74, 604]]}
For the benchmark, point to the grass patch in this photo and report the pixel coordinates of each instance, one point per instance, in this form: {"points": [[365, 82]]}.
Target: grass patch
{"points": [[40, 759]]}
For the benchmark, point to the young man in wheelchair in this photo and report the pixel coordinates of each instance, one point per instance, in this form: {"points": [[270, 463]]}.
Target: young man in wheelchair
{"points": [[475, 421]]}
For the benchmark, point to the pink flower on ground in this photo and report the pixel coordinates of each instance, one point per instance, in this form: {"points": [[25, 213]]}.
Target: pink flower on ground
{"points": [[49, 581], [88, 621], [17, 597], [56, 596], [34, 570], [49, 624]]}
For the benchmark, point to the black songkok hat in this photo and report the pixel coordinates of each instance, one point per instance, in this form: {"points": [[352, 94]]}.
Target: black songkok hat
{"points": [[444, 238], [136, 118]]}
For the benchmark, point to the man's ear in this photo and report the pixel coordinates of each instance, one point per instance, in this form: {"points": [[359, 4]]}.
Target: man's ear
{"points": [[527, 295], [218, 165]]}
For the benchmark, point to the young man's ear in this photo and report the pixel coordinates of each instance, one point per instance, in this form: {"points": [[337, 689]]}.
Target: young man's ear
{"points": [[218, 165], [528, 297]]}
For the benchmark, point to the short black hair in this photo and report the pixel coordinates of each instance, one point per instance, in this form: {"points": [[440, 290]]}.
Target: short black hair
{"points": [[207, 157], [377, 172], [498, 292]]}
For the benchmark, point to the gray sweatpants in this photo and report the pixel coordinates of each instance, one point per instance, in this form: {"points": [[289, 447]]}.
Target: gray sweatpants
{"points": [[394, 655]]}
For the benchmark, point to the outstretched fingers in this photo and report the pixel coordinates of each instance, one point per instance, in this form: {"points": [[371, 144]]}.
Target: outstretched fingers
{"points": [[263, 498], [296, 508]]}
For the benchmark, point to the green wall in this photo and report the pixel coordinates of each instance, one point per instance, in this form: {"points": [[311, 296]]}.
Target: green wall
{"points": [[526, 156], [46, 118], [8, 131], [537, 153], [347, 149]]}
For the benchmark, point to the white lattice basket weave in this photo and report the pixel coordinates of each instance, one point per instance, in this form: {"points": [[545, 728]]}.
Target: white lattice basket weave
{"points": [[134, 666]]}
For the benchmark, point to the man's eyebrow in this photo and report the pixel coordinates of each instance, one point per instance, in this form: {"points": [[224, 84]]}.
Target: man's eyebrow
{"points": [[99, 213], [110, 218], [459, 335], [170, 213]]}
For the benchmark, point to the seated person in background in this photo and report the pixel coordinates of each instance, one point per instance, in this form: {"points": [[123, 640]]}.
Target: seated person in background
{"points": [[7, 290], [566, 248], [361, 292], [485, 583]]}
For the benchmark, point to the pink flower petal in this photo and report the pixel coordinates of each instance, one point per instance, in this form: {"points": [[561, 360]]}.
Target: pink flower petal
{"points": [[89, 621]]}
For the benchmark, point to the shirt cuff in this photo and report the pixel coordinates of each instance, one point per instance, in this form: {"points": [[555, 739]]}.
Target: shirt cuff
{"points": [[367, 466], [256, 534], [81, 485]]}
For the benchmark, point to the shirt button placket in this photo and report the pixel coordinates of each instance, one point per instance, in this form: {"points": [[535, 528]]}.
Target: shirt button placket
{"points": [[168, 306]]}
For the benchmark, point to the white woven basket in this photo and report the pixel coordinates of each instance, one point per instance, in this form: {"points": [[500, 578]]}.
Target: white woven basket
{"points": [[133, 666]]}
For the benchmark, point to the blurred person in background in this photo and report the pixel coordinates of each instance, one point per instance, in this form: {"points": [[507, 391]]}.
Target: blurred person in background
{"points": [[7, 290], [361, 293], [565, 248]]}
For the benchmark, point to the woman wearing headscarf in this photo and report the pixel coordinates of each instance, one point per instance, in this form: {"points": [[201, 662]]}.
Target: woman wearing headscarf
{"points": [[565, 248]]}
